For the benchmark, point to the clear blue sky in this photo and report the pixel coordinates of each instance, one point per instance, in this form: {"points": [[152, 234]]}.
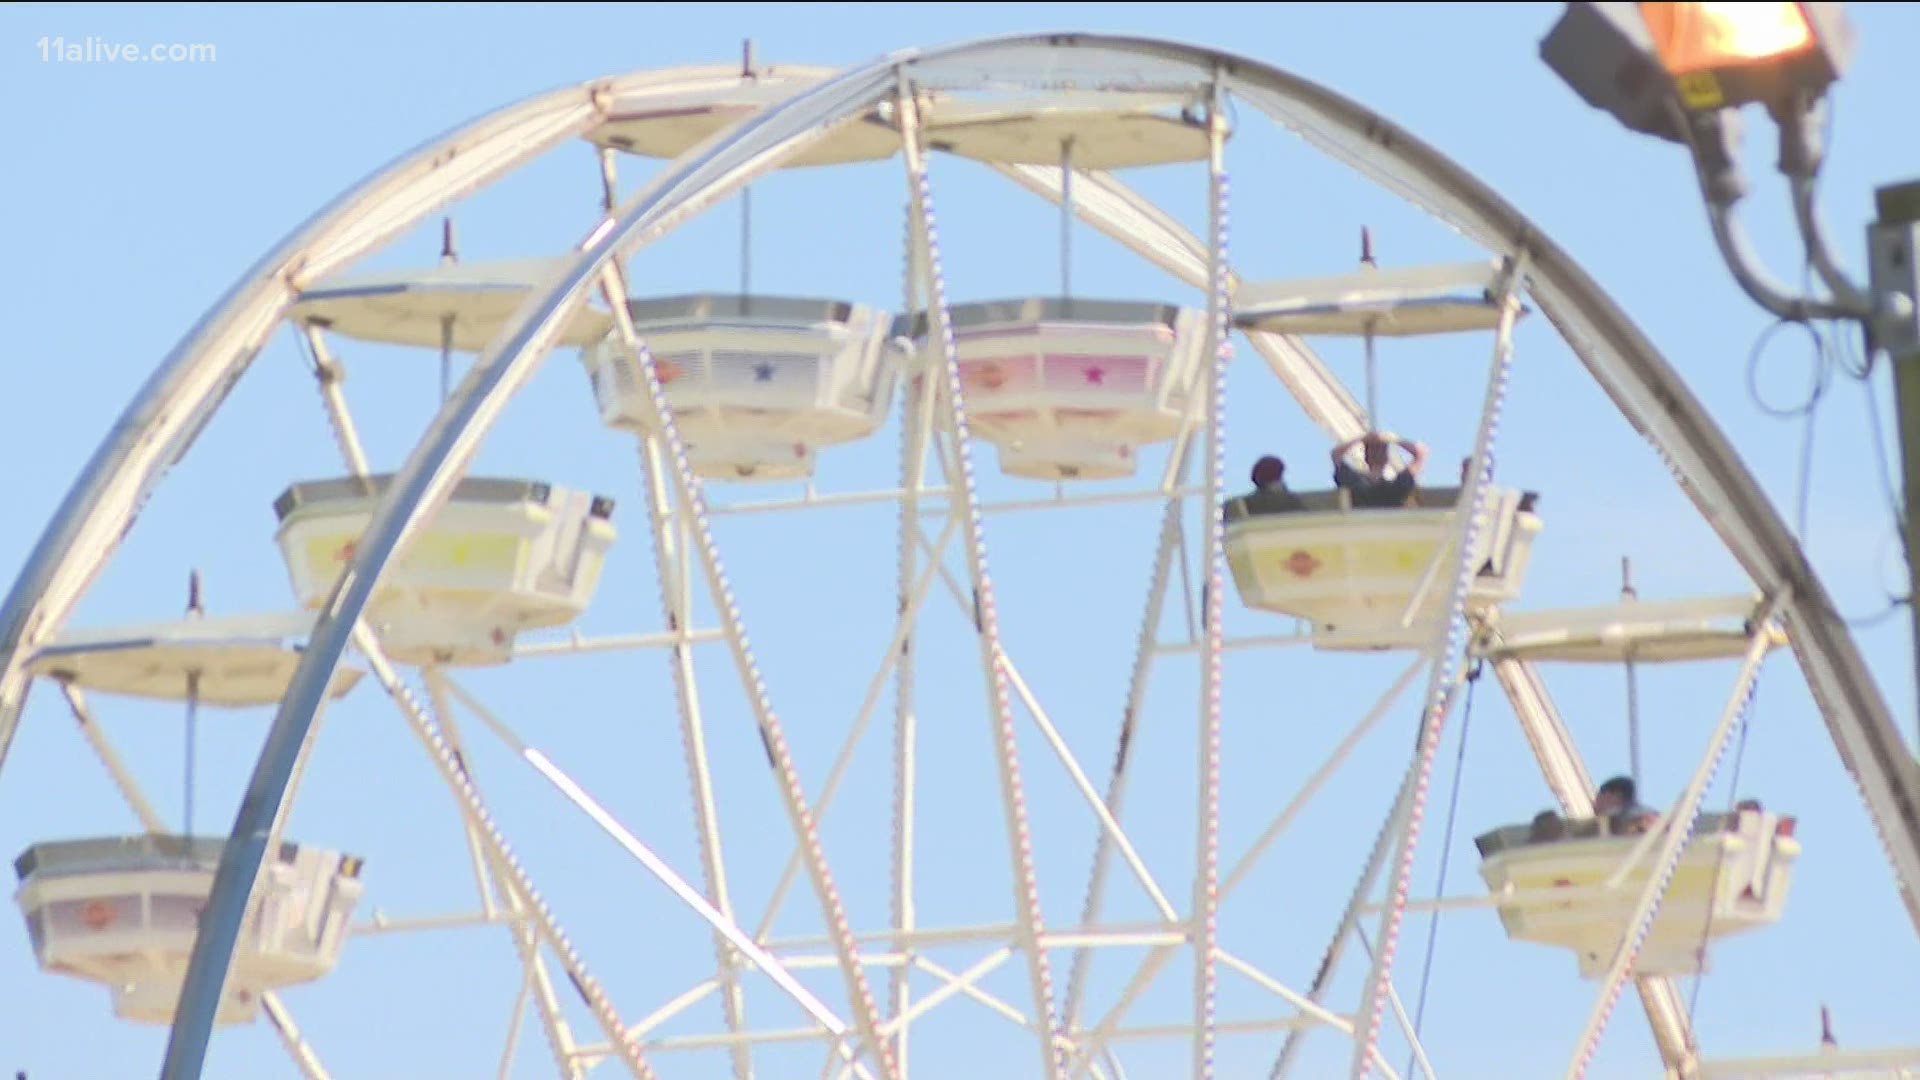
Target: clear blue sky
{"points": [[137, 194]]}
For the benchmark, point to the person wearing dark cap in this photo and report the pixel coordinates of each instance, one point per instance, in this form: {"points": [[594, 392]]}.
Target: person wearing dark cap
{"points": [[1270, 492]]}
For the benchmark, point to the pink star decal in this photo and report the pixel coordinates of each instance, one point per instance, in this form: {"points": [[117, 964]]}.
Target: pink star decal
{"points": [[1096, 375], [346, 552]]}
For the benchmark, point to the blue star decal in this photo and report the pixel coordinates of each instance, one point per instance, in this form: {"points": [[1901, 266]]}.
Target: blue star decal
{"points": [[763, 372]]}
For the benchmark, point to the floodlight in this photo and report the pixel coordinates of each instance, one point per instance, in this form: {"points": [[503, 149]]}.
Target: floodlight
{"points": [[1726, 54], [1634, 59]]}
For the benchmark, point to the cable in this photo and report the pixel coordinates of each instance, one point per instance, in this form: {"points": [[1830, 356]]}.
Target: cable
{"points": [[1895, 507], [1848, 348], [1880, 452], [1446, 850], [1817, 385], [1804, 484], [1868, 622], [1840, 353], [1806, 411]]}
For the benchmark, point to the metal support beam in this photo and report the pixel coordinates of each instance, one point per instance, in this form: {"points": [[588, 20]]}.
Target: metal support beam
{"points": [[915, 433], [476, 853], [1350, 918], [669, 560], [506, 867], [1237, 874], [327, 376], [730, 933], [1894, 243], [1146, 650], [890, 656], [1206, 876], [1401, 1018], [1026, 893], [1906, 399]]}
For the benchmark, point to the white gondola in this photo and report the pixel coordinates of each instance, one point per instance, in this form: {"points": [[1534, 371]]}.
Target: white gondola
{"points": [[420, 307], [669, 129], [1632, 631], [236, 661], [1071, 388], [1108, 129], [501, 557], [1102, 130], [1733, 877], [1374, 578], [1390, 302], [756, 384], [124, 912]]}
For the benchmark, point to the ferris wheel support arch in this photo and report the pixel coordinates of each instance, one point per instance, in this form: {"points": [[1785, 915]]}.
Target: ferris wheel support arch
{"points": [[165, 417]]}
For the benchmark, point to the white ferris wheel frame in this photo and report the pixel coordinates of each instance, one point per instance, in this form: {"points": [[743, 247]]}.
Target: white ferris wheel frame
{"points": [[162, 422]]}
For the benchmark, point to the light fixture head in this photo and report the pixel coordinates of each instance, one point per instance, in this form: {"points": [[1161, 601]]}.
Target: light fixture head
{"points": [[1730, 54], [1634, 60]]}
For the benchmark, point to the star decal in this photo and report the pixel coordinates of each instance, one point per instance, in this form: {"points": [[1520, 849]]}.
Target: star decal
{"points": [[763, 372], [345, 552], [1096, 375], [1302, 564], [667, 370]]}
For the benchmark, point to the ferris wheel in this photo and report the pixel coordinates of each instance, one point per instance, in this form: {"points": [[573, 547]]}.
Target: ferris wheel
{"points": [[677, 853]]}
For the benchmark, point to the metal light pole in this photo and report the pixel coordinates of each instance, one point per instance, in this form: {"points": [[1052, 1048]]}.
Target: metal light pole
{"points": [[1893, 244]]}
